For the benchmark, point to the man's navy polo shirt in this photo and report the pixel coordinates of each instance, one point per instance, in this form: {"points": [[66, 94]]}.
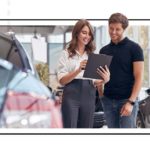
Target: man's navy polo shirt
{"points": [[121, 69]]}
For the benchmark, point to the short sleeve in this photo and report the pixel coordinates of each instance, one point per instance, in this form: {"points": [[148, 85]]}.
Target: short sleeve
{"points": [[137, 53], [62, 69], [101, 51]]}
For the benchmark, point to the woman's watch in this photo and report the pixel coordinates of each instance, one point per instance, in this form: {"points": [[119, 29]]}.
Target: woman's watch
{"points": [[131, 102]]}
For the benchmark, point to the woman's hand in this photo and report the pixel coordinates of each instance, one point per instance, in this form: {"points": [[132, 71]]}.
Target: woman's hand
{"points": [[82, 65], [104, 73], [99, 85]]}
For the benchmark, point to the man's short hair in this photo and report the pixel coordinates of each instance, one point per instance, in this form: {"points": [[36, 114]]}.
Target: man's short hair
{"points": [[119, 18]]}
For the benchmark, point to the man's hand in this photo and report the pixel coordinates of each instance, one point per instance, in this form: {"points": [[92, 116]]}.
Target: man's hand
{"points": [[126, 109]]}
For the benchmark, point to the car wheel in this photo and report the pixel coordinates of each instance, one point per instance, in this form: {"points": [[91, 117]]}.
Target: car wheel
{"points": [[99, 120], [139, 121]]}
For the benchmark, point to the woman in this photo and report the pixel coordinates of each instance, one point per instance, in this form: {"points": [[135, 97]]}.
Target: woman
{"points": [[78, 102]]}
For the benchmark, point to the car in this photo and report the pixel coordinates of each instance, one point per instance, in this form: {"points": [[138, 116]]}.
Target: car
{"points": [[143, 118], [25, 102], [99, 118]]}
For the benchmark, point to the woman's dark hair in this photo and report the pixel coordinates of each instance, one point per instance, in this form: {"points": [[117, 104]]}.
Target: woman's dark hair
{"points": [[119, 18], [90, 47]]}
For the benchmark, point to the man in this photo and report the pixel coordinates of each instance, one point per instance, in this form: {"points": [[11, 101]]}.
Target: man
{"points": [[126, 72]]}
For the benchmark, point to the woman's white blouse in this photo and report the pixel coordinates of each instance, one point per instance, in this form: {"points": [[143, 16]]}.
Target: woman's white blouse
{"points": [[68, 64]]}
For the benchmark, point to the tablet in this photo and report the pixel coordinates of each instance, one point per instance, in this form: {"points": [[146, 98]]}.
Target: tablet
{"points": [[94, 62]]}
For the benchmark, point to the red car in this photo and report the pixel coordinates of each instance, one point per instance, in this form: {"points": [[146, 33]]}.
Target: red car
{"points": [[25, 102], [29, 110]]}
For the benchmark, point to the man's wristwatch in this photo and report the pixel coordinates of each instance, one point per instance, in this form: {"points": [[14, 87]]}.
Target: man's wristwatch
{"points": [[131, 102]]}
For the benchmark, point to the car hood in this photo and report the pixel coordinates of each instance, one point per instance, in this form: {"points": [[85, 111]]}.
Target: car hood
{"points": [[26, 82]]}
